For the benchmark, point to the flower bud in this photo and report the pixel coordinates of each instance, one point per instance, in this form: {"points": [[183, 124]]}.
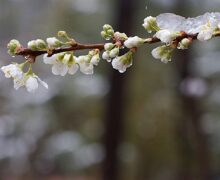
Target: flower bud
{"points": [[150, 24], [184, 43], [121, 36], [106, 56], [105, 35], [107, 27], [62, 34], [95, 59], [41, 45], [166, 35], [133, 42], [13, 45], [107, 32], [110, 32], [164, 53], [32, 45], [205, 34], [121, 63], [109, 46], [54, 42], [114, 52]]}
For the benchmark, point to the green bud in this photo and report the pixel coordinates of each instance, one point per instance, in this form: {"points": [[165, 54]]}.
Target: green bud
{"points": [[107, 27], [150, 24], [32, 45], [107, 32], [12, 46], [105, 35], [184, 43], [109, 46], [110, 32], [53, 42], [62, 34], [128, 56], [41, 44], [121, 36], [114, 52]]}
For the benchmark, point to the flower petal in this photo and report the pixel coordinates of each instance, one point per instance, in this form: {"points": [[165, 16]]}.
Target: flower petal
{"points": [[59, 69], [31, 84], [42, 82], [86, 68], [12, 70], [19, 82], [49, 60], [73, 69]]}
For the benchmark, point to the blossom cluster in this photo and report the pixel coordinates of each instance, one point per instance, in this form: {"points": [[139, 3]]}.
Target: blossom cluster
{"points": [[120, 41], [173, 31], [66, 63], [61, 63], [28, 79]]}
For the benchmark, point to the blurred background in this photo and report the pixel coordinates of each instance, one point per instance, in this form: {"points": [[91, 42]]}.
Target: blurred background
{"points": [[156, 121]]}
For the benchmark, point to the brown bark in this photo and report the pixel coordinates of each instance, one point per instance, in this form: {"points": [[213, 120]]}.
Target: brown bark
{"points": [[193, 142]]}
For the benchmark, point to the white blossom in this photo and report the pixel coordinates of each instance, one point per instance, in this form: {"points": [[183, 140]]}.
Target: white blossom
{"points": [[95, 59], [62, 67], [164, 53], [31, 83], [121, 36], [59, 68], [53, 42], [207, 30], [19, 82], [106, 56], [205, 34], [133, 42], [156, 53], [109, 46], [85, 66], [12, 71], [166, 35], [29, 80], [150, 24], [121, 63]]}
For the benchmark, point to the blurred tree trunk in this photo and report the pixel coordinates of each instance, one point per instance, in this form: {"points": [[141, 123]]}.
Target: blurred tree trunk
{"points": [[193, 143], [115, 108]]}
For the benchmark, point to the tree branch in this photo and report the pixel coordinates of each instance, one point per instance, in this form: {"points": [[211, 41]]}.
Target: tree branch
{"points": [[26, 52]]}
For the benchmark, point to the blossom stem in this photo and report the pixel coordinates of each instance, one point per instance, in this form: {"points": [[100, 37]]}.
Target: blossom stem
{"points": [[30, 71]]}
